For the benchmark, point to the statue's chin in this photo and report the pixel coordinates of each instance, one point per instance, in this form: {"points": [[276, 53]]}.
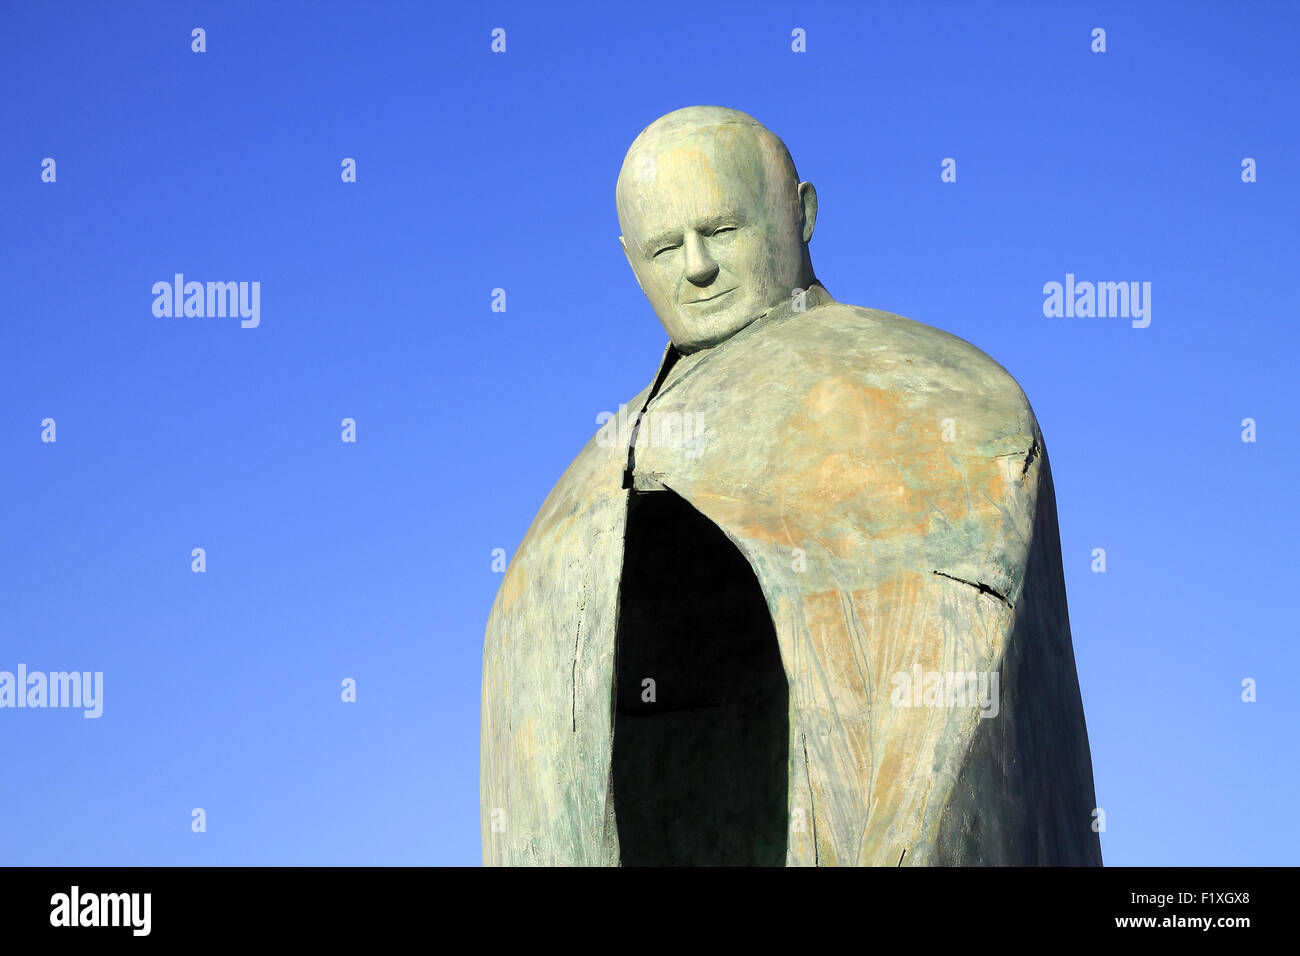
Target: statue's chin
{"points": [[696, 338]]}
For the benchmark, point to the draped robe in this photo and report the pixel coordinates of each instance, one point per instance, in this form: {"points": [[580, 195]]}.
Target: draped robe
{"points": [[889, 487]]}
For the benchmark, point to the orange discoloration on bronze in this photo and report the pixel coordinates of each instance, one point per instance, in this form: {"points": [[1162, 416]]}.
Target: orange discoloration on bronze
{"points": [[694, 166], [786, 531], [512, 588], [525, 744], [840, 478], [831, 639], [853, 452], [842, 547], [890, 463]]}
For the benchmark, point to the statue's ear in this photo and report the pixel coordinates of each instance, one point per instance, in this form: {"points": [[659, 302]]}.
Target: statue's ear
{"points": [[623, 242], [808, 200]]}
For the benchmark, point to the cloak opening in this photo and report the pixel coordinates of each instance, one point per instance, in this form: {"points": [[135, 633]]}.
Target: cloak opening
{"points": [[700, 755]]}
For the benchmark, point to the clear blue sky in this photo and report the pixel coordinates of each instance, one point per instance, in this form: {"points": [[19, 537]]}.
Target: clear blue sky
{"points": [[477, 170]]}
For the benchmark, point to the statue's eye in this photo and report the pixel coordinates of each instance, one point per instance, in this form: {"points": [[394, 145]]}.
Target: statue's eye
{"points": [[659, 252], [721, 229]]}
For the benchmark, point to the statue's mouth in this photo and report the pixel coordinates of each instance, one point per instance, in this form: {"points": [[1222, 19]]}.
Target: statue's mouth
{"points": [[711, 297]]}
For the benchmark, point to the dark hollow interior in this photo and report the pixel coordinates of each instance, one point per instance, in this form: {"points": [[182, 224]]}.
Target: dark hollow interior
{"points": [[700, 773]]}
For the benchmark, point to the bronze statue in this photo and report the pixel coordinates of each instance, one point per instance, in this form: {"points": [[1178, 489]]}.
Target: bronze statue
{"points": [[808, 607]]}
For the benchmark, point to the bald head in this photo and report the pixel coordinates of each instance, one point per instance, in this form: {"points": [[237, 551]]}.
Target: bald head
{"points": [[715, 222], [692, 126]]}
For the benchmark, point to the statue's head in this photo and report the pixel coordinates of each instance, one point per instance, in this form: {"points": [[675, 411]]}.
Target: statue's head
{"points": [[715, 222]]}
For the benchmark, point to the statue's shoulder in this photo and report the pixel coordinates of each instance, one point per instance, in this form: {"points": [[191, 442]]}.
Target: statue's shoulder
{"points": [[595, 475], [895, 353]]}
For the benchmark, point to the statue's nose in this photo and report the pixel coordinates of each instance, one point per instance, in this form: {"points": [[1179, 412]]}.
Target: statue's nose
{"points": [[700, 267]]}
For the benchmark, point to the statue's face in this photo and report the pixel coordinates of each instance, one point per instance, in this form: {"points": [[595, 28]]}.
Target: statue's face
{"points": [[712, 230]]}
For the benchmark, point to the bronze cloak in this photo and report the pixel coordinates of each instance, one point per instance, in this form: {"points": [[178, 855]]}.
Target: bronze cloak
{"points": [[888, 485]]}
